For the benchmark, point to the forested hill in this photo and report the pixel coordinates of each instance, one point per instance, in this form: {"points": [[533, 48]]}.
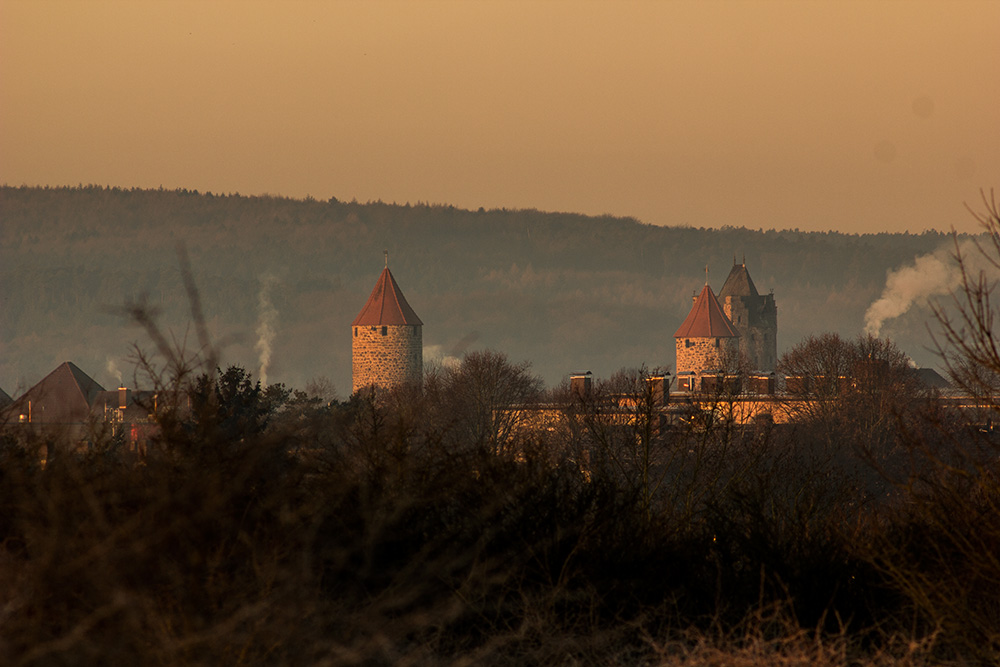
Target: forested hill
{"points": [[565, 291]]}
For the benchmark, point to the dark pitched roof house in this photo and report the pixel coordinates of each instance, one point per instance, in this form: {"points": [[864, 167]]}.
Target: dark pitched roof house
{"points": [[64, 396], [930, 378], [386, 305], [706, 319], [5, 399], [738, 283]]}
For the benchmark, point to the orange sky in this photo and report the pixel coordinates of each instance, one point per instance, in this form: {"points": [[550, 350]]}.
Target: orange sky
{"points": [[858, 117]]}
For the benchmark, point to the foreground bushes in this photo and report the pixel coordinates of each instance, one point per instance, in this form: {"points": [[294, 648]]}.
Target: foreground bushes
{"points": [[363, 533]]}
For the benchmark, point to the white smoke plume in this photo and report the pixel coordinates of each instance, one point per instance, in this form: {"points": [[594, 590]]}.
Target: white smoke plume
{"points": [[267, 324], [435, 354], [112, 368], [932, 275]]}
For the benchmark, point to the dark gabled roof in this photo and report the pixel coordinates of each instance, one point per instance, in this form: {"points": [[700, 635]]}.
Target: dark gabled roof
{"points": [[62, 396], [930, 378], [706, 319], [738, 283], [386, 305], [5, 399]]}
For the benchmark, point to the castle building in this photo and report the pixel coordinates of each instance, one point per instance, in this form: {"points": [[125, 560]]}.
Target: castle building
{"points": [[706, 341], [754, 316], [387, 348]]}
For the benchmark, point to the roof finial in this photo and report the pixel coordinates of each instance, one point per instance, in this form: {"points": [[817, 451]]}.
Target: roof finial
{"points": [[386, 253], [744, 258], [706, 274]]}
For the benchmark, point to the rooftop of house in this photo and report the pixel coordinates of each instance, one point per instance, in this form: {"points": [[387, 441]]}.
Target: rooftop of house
{"points": [[931, 378], [64, 395]]}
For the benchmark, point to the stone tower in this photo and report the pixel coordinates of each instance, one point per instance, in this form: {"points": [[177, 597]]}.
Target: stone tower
{"points": [[754, 315], [387, 348], [705, 341]]}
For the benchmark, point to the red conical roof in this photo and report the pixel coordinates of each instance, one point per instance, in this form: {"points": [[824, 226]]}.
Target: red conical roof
{"points": [[386, 305], [706, 319]]}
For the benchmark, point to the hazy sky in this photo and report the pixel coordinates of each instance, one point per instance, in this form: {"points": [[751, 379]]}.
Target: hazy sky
{"points": [[864, 116]]}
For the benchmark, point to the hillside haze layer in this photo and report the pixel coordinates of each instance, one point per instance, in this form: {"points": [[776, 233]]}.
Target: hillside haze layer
{"points": [[282, 279]]}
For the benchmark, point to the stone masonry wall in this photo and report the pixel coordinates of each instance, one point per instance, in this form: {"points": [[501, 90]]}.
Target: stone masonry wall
{"points": [[386, 359], [698, 354]]}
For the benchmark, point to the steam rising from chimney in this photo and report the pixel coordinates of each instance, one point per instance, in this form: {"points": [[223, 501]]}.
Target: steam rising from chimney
{"points": [[267, 323], [112, 368], [935, 274]]}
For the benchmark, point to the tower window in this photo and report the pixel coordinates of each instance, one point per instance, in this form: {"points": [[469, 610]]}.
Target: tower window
{"points": [[385, 330], [355, 332]]}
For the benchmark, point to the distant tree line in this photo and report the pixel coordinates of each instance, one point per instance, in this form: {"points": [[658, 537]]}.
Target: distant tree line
{"points": [[564, 290]]}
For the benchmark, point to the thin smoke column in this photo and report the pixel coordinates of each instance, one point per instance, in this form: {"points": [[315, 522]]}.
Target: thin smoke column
{"points": [[112, 368], [932, 275], [267, 324]]}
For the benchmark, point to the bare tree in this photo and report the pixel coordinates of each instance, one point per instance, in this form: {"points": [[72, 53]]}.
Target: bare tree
{"points": [[943, 558], [967, 342], [485, 399], [855, 391]]}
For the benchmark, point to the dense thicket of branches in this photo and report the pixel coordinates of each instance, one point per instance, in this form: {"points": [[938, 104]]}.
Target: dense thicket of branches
{"points": [[270, 527]]}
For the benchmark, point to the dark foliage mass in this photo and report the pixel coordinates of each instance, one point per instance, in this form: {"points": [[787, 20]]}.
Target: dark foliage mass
{"points": [[406, 527], [567, 291]]}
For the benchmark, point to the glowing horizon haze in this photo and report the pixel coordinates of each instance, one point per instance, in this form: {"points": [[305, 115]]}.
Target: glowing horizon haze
{"points": [[847, 116]]}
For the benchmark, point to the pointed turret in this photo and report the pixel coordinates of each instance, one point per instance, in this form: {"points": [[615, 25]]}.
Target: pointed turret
{"points": [[386, 305], [738, 283], [706, 319], [754, 315], [387, 347], [706, 342]]}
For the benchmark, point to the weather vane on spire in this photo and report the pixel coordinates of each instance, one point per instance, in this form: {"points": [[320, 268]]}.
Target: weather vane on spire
{"points": [[706, 274], [386, 253]]}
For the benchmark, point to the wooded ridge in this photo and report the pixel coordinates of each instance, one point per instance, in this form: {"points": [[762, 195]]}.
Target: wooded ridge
{"points": [[562, 290]]}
